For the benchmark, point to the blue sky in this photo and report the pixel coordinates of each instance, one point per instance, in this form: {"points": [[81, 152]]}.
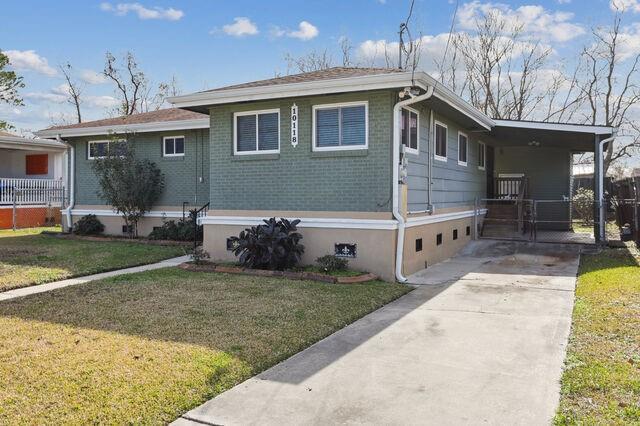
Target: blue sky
{"points": [[211, 43]]}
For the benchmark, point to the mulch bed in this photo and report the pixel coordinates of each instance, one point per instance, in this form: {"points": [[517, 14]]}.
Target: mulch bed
{"points": [[66, 236], [312, 276]]}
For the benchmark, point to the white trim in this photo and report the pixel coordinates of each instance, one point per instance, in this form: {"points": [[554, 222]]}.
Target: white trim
{"points": [[444, 217], [435, 141], [113, 213], [407, 149], [164, 146], [466, 151], [161, 126], [305, 222], [335, 85], [256, 113], [482, 147], [340, 147], [560, 127], [20, 143], [91, 142]]}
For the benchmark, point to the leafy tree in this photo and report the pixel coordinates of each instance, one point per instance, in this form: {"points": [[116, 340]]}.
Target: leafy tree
{"points": [[10, 83], [130, 185]]}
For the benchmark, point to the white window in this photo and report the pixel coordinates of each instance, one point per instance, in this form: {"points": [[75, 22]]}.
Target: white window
{"points": [[340, 126], [173, 146], [440, 141], [409, 130], [100, 149], [482, 154], [463, 145], [256, 132]]}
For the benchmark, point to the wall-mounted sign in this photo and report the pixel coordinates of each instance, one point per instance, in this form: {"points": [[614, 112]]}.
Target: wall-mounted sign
{"points": [[294, 125], [231, 244], [345, 250]]}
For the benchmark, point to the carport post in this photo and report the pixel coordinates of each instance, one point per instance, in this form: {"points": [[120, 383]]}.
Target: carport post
{"points": [[598, 183], [476, 211]]}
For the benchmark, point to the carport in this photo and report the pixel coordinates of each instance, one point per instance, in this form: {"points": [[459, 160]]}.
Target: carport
{"points": [[529, 182]]}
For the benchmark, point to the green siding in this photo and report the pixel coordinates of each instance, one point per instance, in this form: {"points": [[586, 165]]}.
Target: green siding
{"points": [[297, 178], [181, 173]]}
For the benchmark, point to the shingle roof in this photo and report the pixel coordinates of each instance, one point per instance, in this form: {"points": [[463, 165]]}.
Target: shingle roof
{"points": [[7, 134], [327, 74], [162, 115]]}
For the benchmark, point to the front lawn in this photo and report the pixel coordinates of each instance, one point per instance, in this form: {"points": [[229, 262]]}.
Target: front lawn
{"points": [[601, 381], [147, 347], [28, 257]]}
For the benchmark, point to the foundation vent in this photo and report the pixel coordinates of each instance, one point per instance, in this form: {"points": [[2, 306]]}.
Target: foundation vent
{"points": [[455, 234], [468, 231], [418, 244], [438, 239]]}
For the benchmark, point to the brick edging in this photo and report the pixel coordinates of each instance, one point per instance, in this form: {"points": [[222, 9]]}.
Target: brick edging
{"points": [[312, 276]]}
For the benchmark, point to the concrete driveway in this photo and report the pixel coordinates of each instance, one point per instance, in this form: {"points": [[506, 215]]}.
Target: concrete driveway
{"points": [[480, 341]]}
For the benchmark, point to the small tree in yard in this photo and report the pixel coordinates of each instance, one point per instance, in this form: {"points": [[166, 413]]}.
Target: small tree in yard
{"points": [[583, 204], [129, 184]]}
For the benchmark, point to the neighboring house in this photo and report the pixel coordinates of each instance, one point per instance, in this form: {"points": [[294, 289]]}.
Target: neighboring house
{"points": [[381, 165], [32, 175]]}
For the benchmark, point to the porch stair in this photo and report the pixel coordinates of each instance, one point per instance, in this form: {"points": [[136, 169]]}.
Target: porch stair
{"points": [[501, 220]]}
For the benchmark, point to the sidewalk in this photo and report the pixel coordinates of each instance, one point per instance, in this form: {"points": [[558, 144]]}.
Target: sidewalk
{"points": [[41, 288]]}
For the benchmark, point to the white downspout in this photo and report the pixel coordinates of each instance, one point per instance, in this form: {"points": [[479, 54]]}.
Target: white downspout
{"points": [[600, 194], [395, 175], [71, 159]]}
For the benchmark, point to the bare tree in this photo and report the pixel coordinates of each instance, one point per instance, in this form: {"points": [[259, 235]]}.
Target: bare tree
{"points": [[346, 47], [131, 83], [312, 61], [609, 88], [74, 90]]}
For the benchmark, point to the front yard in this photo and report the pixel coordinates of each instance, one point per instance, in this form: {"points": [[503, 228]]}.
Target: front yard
{"points": [[28, 257], [601, 382], [147, 347]]}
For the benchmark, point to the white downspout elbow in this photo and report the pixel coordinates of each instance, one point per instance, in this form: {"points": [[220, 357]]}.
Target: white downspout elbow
{"points": [[395, 176], [71, 160]]}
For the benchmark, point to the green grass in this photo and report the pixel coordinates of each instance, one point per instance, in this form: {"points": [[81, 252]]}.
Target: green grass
{"points": [[147, 347], [28, 257], [601, 381]]}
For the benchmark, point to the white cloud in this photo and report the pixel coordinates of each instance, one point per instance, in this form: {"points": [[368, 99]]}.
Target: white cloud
{"points": [[30, 60], [625, 5], [46, 97], [92, 77], [306, 31], [122, 9], [241, 27], [534, 19], [563, 1], [101, 101], [276, 31]]}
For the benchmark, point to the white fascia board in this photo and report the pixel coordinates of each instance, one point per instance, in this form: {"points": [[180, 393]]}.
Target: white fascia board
{"points": [[31, 146], [200, 123], [558, 127], [436, 218]]}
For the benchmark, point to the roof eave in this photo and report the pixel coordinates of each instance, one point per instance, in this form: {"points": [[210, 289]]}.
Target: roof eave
{"points": [[559, 127], [11, 142], [330, 86], [200, 123]]}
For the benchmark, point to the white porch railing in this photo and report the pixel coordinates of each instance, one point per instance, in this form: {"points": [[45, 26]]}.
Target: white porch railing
{"points": [[31, 191]]}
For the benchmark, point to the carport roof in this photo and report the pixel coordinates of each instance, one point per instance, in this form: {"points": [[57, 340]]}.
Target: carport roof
{"points": [[577, 137]]}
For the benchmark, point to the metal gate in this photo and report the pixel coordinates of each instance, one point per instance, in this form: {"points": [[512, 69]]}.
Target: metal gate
{"points": [[554, 221], [33, 208]]}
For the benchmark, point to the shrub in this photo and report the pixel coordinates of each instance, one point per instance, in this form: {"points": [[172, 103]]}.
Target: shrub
{"points": [[330, 263], [181, 230], [583, 205], [199, 256], [88, 225], [275, 245]]}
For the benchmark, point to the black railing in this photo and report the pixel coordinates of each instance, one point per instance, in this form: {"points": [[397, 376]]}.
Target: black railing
{"points": [[197, 230]]}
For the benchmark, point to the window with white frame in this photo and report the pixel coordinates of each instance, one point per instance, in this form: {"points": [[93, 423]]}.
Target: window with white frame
{"points": [[463, 145], [340, 126], [409, 130], [257, 132], [440, 141], [482, 154], [173, 146], [100, 149]]}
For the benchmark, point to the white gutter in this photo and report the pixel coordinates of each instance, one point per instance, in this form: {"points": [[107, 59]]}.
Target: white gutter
{"points": [[159, 126], [395, 175], [71, 159], [600, 194], [432, 147]]}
